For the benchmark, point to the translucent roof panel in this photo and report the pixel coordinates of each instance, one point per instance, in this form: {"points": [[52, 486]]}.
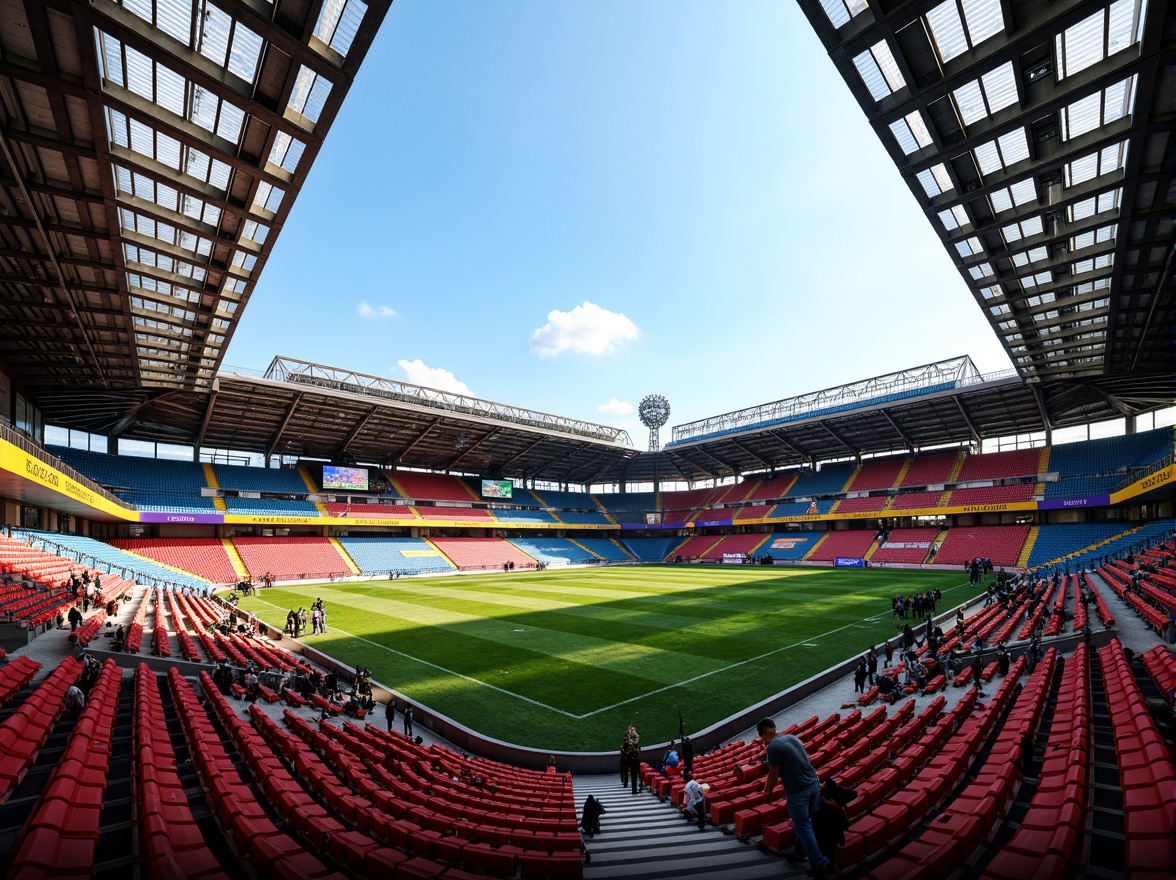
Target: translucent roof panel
{"points": [[1101, 108], [879, 71], [1092, 165], [1022, 229], [959, 25], [268, 197], [286, 151], [143, 139], [981, 270], [969, 247], [309, 94], [139, 185], [954, 218], [338, 23], [1087, 208], [840, 12], [911, 132], [1103, 261], [145, 257], [228, 43], [993, 292], [154, 82], [935, 180], [1102, 235], [1023, 192], [1100, 35], [1033, 255], [1004, 152], [142, 224]]}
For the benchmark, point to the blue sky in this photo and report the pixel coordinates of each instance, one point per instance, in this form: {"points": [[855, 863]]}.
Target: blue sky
{"points": [[567, 206]]}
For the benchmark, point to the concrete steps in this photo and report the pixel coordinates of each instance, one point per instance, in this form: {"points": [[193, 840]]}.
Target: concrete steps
{"points": [[642, 837]]}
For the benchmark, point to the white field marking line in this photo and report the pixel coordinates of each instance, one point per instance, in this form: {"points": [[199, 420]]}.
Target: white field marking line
{"points": [[335, 629], [723, 669], [614, 705]]}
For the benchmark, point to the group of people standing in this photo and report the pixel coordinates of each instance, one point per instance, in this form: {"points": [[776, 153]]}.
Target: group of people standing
{"points": [[918, 606], [296, 620]]}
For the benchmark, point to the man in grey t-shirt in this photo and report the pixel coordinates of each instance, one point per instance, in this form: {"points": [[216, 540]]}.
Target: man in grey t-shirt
{"points": [[788, 762]]}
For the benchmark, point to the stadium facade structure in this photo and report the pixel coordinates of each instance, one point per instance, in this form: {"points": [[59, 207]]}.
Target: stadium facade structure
{"points": [[152, 152]]}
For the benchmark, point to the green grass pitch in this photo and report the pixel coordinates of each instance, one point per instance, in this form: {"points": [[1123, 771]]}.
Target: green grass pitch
{"points": [[565, 660]]}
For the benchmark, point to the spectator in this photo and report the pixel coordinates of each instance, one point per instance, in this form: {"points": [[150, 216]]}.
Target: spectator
{"points": [[74, 703], [408, 719], [789, 763], [695, 800]]}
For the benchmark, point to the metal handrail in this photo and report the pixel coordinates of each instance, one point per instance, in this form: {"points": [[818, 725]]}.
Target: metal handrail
{"points": [[17, 439]]}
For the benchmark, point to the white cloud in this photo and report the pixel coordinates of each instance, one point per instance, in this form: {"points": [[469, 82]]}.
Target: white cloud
{"points": [[418, 373], [369, 311], [586, 329], [616, 407]]}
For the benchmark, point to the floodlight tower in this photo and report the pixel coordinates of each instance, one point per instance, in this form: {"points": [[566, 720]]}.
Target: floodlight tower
{"points": [[654, 411]]}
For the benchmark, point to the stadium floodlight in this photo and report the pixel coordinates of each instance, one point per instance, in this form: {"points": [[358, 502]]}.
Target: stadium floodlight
{"points": [[654, 411]]}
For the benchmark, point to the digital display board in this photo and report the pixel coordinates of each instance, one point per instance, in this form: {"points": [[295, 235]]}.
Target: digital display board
{"points": [[497, 489], [354, 478]]}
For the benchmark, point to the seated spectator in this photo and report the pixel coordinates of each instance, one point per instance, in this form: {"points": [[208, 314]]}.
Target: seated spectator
{"points": [[74, 703]]}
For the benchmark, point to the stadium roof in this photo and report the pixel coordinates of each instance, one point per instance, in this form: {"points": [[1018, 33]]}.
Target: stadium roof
{"points": [[1037, 137], [151, 152]]}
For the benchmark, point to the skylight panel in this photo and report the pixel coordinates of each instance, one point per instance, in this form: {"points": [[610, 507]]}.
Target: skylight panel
{"points": [[286, 151], [1100, 35], [993, 292], [1105, 161], [947, 30], [255, 232], [338, 23], [1007, 150], [1022, 229], [1020, 193], [911, 132], [1031, 281], [1033, 255], [984, 19], [1000, 87], [245, 52], [935, 180], [1087, 208], [879, 71], [969, 247], [1098, 236], [955, 218], [958, 26], [1094, 264], [1093, 111], [309, 94], [979, 271], [840, 12], [214, 34], [268, 197]]}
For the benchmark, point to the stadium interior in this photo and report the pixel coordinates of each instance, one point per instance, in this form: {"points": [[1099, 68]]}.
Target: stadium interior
{"points": [[148, 165]]}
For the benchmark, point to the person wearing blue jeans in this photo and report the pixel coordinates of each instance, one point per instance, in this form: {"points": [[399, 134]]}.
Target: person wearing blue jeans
{"points": [[789, 763]]}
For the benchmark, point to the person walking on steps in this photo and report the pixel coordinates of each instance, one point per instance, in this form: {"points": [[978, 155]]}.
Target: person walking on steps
{"points": [[631, 755], [789, 763]]}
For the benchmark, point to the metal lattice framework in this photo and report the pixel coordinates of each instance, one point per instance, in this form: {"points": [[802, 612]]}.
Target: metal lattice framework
{"points": [[150, 152], [950, 374], [1037, 137], [284, 369]]}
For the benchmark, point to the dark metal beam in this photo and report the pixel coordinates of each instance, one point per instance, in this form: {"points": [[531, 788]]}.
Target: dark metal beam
{"points": [[272, 447]]}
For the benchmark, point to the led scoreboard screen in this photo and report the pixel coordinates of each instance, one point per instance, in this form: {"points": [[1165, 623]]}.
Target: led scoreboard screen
{"points": [[354, 478], [497, 488]]}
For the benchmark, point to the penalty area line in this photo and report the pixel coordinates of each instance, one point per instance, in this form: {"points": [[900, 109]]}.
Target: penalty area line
{"points": [[460, 675]]}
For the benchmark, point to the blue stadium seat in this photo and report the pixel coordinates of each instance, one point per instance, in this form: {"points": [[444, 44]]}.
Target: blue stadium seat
{"points": [[401, 555], [605, 549], [651, 549], [270, 507], [554, 551], [134, 472], [287, 481], [789, 545]]}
